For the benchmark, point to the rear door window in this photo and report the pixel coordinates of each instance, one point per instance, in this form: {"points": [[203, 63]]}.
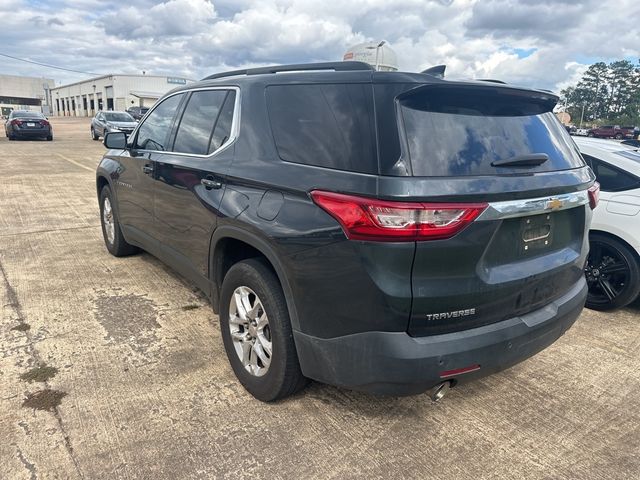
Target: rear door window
{"points": [[196, 129], [325, 125], [453, 133]]}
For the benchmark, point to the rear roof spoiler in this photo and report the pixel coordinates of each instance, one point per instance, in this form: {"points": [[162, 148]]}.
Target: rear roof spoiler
{"points": [[437, 71]]}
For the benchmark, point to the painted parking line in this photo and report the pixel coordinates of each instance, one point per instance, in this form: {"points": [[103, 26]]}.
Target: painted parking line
{"points": [[75, 163]]}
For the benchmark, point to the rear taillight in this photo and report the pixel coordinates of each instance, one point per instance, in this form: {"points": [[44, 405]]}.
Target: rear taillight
{"points": [[44, 123], [379, 220], [16, 122], [594, 195]]}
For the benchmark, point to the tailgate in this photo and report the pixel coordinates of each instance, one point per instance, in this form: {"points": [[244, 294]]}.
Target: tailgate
{"points": [[518, 256]]}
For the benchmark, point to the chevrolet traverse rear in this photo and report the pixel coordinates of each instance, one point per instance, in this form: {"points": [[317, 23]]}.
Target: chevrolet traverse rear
{"points": [[382, 231]]}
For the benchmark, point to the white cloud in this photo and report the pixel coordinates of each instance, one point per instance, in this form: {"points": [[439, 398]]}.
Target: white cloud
{"points": [[196, 37]]}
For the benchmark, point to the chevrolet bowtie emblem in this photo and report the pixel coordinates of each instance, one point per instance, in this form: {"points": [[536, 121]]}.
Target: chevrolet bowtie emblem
{"points": [[555, 204]]}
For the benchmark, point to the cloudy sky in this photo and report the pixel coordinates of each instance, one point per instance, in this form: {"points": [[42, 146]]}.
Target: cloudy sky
{"points": [[546, 43]]}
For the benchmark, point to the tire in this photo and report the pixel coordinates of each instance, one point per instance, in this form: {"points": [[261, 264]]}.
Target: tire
{"points": [[114, 240], [613, 273], [618, 137], [94, 135], [49, 138], [254, 280], [590, 135]]}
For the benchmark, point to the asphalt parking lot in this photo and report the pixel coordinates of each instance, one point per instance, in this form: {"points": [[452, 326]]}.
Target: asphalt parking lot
{"points": [[138, 384]]}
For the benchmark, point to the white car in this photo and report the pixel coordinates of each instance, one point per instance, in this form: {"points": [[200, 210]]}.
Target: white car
{"points": [[582, 132], [613, 267]]}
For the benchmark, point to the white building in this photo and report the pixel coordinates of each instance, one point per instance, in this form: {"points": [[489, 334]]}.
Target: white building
{"points": [[111, 92], [24, 93]]}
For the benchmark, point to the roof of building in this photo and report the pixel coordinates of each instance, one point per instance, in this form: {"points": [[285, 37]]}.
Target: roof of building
{"points": [[93, 79]]}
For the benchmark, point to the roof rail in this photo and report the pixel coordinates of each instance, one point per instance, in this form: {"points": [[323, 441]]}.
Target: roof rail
{"points": [[437, 71], [335, 66]]}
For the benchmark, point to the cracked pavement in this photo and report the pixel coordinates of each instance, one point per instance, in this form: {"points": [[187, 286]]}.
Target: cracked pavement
{"points": [[147, 391]]}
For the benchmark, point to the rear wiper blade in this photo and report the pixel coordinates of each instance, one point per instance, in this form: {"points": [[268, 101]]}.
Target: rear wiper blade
{"points": [[532, 160]]}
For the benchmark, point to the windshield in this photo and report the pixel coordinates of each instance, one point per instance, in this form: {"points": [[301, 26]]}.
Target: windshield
{"points": [[118, 117]]}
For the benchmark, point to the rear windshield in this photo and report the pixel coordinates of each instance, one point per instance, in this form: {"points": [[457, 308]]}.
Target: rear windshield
{"points": [[462, 133], [28, 114]]}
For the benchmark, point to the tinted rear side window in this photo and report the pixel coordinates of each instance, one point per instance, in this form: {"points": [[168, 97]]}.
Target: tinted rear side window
{"points": [[462, 133], [324, 125], [198, 120]]}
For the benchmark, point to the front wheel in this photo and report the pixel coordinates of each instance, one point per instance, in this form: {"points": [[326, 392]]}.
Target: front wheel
{"points": [[113, 238], [94, 135], [256, 332], [613, 273]]}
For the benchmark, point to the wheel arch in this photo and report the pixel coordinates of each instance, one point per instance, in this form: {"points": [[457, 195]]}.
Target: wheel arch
{"points": [[231, 244], [620, 239]]}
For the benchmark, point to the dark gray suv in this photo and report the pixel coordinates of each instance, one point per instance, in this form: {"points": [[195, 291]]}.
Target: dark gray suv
{"points": [[383, 231]]}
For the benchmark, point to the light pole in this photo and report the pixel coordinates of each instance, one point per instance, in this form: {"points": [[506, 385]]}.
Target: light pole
{"points": [[581, 116], [377, 51], [377, 47]]}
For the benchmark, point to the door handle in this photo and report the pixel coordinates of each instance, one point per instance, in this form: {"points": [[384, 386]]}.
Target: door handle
{"points": [[147, 169], [210, 183]]}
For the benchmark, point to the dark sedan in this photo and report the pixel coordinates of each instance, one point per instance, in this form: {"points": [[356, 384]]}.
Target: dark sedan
{"points": [[26, 124]]}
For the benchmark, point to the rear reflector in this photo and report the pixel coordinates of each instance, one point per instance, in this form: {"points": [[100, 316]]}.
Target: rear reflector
{"points": [[459, 371], [379, 220], [594, 195]]}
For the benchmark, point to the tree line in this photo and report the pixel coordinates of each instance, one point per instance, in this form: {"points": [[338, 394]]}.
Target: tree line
{"points": [[609, 93]]}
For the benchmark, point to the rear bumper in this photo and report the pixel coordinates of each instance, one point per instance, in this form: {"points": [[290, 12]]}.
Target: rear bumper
{"points": [[39, 133], [395, 363]]}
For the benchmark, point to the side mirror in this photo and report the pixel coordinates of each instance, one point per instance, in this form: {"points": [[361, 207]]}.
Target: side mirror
{"points": [[115, 140]]}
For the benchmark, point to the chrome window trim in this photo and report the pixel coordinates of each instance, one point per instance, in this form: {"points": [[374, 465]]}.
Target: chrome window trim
{"points": [[534, 206], [235, 122]]}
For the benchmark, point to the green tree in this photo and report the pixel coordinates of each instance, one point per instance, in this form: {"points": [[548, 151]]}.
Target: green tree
{"points": [[609, 93]]}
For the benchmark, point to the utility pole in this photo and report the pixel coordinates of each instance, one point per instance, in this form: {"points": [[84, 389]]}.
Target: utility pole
{"points": [[377, 51], [581, 116]]}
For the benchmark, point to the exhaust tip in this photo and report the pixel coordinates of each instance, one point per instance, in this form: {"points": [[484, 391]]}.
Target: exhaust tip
{"points": [[438, 392]]}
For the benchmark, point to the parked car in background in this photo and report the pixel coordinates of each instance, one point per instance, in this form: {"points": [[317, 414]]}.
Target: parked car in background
{"points": [[335, 245], [581, 132], [611, 131], [111, 121], [613, 267], [27, 124], [137, 112]]}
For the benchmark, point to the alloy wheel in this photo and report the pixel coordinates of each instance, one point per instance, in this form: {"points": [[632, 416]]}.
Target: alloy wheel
{"points": [[250, 331], [108, 220], [608, 273]]}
